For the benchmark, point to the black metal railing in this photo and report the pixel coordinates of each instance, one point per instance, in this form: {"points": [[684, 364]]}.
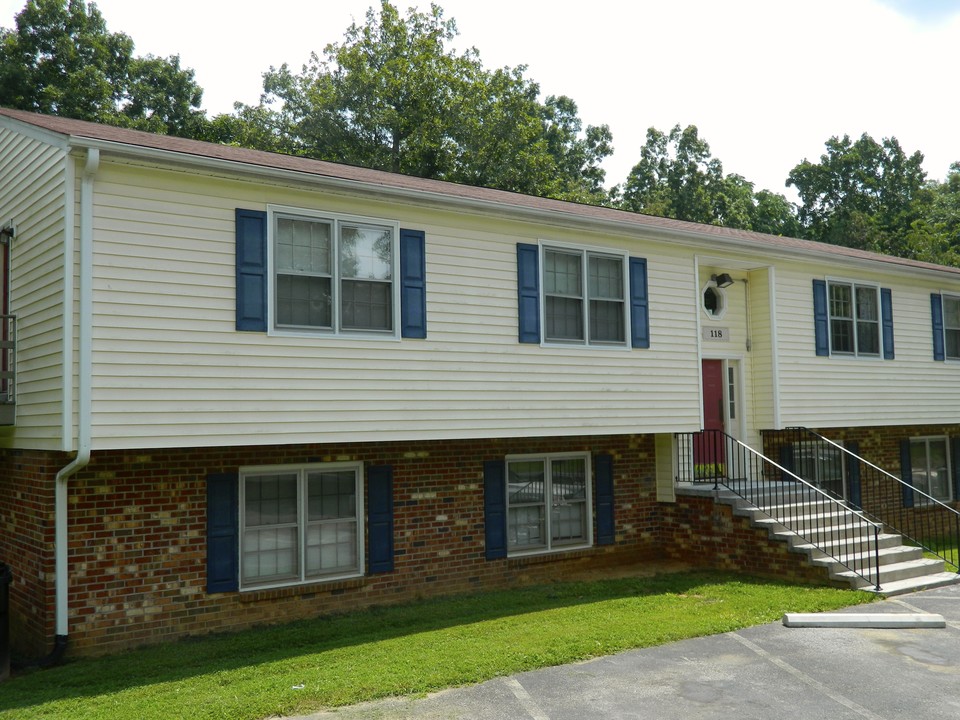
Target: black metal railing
{"points": [[905, 509], [819, 519], [8, 364]]}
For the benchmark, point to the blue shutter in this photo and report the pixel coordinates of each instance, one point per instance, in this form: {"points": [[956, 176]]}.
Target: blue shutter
{"points": [[786, 462], [413, 284], [936, 315], [528, 292], [222, 532], [886, 313], [251, 260], [380, 518], [495, 509], [639, 304], [906, 473], [854, 490], [955, 466], [821, 318], [603, 484]]}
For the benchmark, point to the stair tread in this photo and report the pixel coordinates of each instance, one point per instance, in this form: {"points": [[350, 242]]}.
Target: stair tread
{"points": [[899, 587], [893, 568]]}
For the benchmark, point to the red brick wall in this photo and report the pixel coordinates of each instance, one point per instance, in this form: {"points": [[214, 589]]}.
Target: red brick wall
{"points": [[138, 548], [26, 536], [701, 532]]}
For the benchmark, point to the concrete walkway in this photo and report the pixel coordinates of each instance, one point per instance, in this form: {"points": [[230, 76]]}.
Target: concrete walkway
{"points": [[763, 672]]}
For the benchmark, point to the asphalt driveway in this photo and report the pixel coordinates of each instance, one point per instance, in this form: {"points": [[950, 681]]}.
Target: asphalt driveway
{"points": [[763, 672]]}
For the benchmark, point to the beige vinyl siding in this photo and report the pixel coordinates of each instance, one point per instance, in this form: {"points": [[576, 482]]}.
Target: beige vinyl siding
{"points": [[760, 382], [34, 187], [171, 370], [848, 391]]}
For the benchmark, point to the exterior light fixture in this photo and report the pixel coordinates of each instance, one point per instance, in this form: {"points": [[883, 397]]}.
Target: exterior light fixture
{"points": [[723, 280]]}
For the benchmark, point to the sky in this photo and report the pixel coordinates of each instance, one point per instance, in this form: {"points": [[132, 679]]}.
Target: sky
{"points": [[766, 82]]}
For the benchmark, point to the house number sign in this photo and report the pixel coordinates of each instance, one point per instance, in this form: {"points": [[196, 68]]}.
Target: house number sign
{"points": [[716, 334]]}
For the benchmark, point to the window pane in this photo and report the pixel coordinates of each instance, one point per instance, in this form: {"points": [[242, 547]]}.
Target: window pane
{"points": [[606, 321], [569, 480], [568, 523], [561, 273], [606, 278], [918, 465], [331, 495], [270, 554], [270, 500], [564, 318], [867, 305], [840, 301], [331, 546], [841, 336], [304, 246], [939, 478], [952, 338], [951, 324], [526, 482], [366, 252], [303, 301], [868, 338], [366, 305], [951, 312], [525, 527]]}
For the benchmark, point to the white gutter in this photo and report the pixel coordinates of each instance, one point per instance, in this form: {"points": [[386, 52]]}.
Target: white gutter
{"points": [[61, 535]]}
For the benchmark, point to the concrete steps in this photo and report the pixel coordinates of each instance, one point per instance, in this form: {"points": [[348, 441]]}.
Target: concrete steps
{"points": [[837, 540]]}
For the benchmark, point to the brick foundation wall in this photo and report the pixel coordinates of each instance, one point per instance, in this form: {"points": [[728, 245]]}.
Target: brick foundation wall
{"points": [[26, 536], [137, 524], [700, 532]]}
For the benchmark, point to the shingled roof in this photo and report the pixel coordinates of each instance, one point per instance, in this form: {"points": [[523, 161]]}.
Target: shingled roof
{"points": [[82, 132]]}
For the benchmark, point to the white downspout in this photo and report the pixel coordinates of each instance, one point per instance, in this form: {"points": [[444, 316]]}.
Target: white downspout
{"points": [[61, 535]]}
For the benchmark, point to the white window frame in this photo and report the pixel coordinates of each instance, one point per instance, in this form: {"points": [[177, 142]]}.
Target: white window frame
{"points": [[854, 286], [585, 253], [302, 472], [548, 547], [944, 298], [337, 220], [926, 440], [721, 294]]}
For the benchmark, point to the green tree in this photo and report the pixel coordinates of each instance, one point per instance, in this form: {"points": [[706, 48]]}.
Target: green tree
{"points": [[61, 60], [393, 96], [861, 194], [678, 177]]}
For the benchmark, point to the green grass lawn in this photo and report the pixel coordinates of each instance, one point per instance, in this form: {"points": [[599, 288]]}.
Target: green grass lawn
{"points": [[417, 648]]}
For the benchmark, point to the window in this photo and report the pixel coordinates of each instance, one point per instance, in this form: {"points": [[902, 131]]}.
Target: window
{"points": [[300, 524], [333, 274], [930, 467], [584, 300], [820, 464], [854, 319], [548, 501], [951, 326]]}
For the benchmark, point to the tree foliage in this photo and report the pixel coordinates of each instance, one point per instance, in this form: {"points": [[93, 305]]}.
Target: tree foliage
{"points": [[678, 177], [395, 96], [861, 194], [62, 60]]}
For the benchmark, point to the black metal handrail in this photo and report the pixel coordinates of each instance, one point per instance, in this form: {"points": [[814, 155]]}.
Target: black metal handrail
{"points": [[8, 365], [827, 524], [906, 510]]}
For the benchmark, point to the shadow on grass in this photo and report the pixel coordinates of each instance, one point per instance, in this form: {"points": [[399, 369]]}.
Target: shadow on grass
{"points": [[211, 654]]}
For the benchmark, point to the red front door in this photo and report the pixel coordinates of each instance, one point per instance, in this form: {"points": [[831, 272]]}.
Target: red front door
{"points": [[708, 452]]}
